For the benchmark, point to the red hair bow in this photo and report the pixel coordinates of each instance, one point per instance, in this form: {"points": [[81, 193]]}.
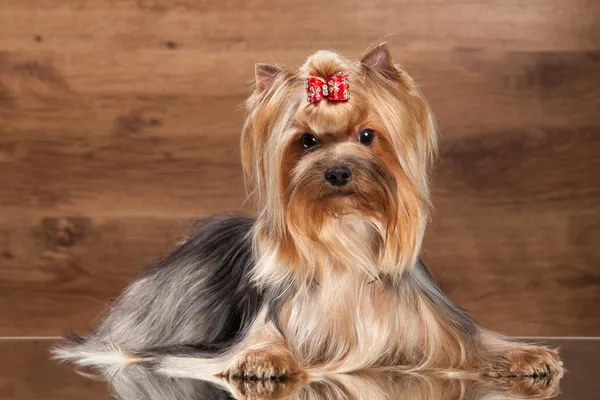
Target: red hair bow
{"points": [[336, 88]]}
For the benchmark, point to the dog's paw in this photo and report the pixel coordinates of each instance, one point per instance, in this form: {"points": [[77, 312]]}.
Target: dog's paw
{"points": [[246, 389], [262, 365], [539, 388], [527, 361]]}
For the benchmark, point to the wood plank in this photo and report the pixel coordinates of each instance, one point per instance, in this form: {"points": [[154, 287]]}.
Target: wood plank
{"points": [[80, 135], [123, 175], [521, 273], [498, 241], [44, 112], [539, 25], [119, 119], [538, 168], [512, 237], [59, 274], [466, 70], [471, 90]]}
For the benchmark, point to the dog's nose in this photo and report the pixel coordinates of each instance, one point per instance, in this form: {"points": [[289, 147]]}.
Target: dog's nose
{"points": [[338, 176]]}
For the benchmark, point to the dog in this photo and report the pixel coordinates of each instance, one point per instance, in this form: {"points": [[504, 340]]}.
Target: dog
{"points": [[327, 277]]}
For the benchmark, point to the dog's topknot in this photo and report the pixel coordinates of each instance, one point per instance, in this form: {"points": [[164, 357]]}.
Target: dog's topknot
{"points": [[325, 63]]}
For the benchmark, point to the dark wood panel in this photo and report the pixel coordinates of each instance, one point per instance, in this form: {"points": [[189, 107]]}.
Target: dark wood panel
{"points": [[33, 109], [187, 175], [472, 92], [259, 24], [120, 119], [534, 273], [513, 236], [544, 169], [495, 244], [60, 274], [111, 142], [469, 87]]}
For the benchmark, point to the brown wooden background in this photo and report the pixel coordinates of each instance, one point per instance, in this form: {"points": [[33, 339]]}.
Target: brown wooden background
{"points": [[119, 121]]}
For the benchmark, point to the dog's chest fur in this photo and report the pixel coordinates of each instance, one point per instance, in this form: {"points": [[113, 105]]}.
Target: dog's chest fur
{"points": [[350, 321]]}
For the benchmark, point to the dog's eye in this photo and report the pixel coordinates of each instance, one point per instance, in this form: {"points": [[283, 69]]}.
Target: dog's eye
{"points": [[366, 137], [308, 140]]}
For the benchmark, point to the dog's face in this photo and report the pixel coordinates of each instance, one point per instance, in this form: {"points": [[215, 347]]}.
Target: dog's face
{"points": [[338, 160], [330, 174]]}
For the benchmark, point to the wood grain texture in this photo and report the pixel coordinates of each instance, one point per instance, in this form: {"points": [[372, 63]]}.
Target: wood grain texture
{"points": [[59, 273], [267, 25], [515, 230], [120, 121]]}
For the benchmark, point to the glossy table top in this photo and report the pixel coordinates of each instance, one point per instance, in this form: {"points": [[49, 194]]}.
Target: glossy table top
{"points": [[26, 373]]}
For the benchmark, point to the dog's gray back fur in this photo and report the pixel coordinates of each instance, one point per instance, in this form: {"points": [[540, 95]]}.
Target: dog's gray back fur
{"points": [[200, 300], [419, 277], [200, 295]]}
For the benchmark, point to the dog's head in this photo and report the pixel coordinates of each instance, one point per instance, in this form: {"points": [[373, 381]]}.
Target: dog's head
{"points": [[339, 182]]}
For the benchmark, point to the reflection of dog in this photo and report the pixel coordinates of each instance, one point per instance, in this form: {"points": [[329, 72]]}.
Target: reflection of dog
{"points": [[328, 277], [384, 386], [141, 383]]}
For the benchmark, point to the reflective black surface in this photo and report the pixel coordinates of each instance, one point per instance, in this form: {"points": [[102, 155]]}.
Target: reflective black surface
{"points": [[27, 373], [140, 384]]}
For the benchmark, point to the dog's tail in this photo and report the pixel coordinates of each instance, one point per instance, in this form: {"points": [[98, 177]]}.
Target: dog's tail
{"points": [[199, 362], [104, 357]]}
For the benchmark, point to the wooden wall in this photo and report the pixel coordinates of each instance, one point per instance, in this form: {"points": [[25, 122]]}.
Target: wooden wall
{"points": [[120, 119]]}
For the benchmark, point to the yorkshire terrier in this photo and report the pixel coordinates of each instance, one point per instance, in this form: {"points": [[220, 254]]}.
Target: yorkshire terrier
{"points": [[327, 278]]}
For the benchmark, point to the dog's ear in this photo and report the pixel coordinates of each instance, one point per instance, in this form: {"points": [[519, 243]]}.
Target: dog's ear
{"points": [[379, 58], [265, 74]]}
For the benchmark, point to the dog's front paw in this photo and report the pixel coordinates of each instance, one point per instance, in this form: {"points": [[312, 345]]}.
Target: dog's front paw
{"points": [[527, 361], [246, 389], [539, 388], [262, 365]]}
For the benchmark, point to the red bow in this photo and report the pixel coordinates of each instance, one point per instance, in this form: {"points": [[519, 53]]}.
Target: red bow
{"points": [[336, 88]]}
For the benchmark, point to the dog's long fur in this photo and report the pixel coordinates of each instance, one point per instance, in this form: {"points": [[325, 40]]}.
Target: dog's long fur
{"points": [[325, 279]]}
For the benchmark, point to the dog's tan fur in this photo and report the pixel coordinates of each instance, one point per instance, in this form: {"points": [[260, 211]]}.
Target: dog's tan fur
{"points": [[343, 258], [327, 279], [384, 386]]}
